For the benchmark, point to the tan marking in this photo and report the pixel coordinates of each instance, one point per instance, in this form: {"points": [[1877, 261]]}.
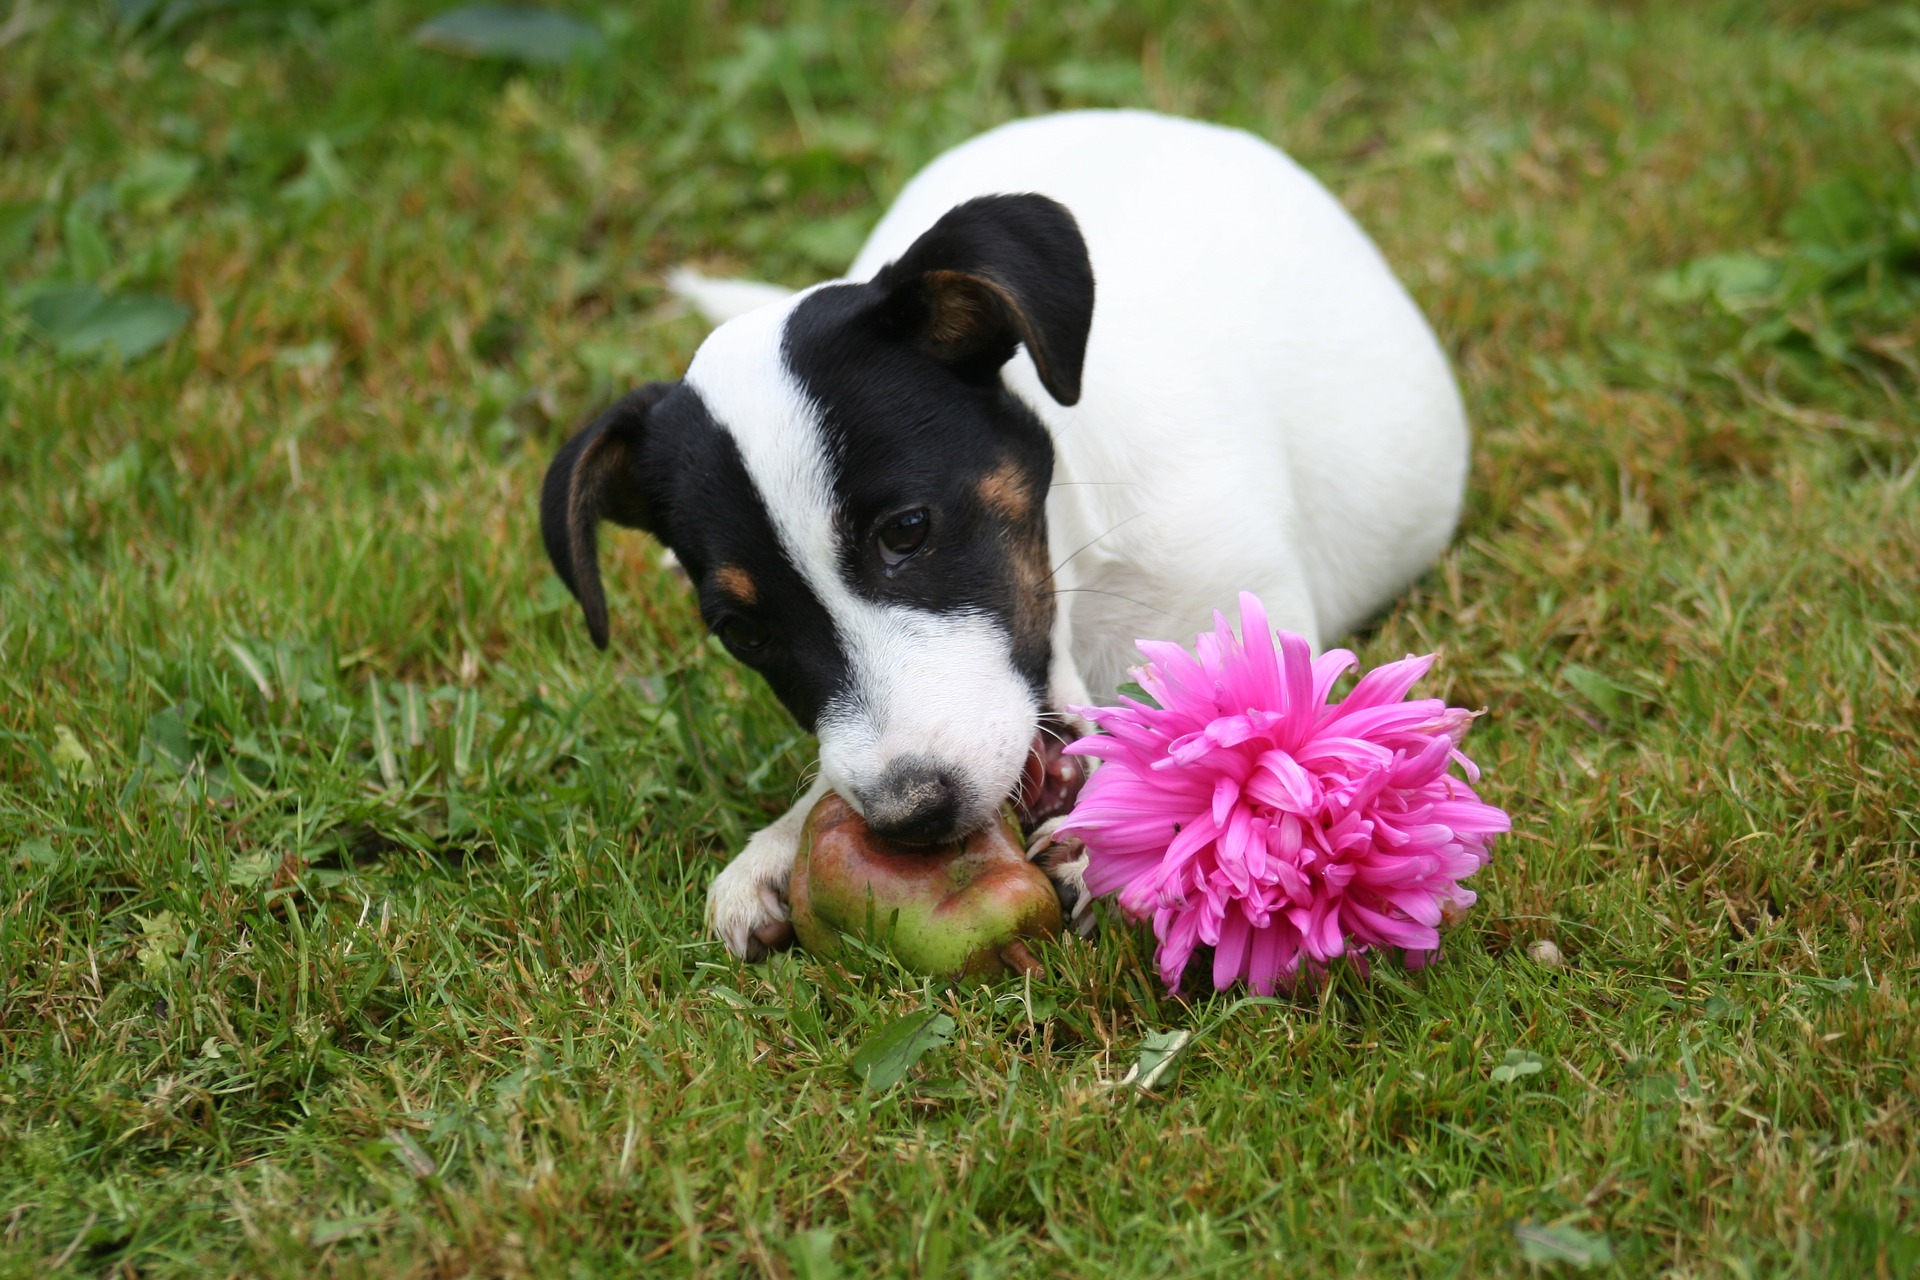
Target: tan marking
{"points": [[1004, 491], [1034, 602], [959, 305], [736, 582]]}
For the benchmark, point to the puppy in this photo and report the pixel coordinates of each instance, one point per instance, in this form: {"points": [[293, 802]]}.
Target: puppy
{"points": [[1091, 376]]}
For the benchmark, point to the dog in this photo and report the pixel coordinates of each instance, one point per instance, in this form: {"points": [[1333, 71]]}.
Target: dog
{"points": [[1092, 375]]}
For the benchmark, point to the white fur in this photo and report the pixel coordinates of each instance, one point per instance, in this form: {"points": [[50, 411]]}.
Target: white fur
{"points": [[751, 893], [1264, 409], [722, 300]]}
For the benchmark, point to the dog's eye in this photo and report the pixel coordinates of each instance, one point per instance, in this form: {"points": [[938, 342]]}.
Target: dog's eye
{"points": [[743, 635], [902, 535]]}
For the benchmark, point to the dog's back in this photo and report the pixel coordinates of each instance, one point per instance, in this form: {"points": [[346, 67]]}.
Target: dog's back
{"points": [[1264, 406]]}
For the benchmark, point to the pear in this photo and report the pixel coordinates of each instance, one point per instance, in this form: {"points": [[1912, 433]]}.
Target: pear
{"points": [[956, 911]]}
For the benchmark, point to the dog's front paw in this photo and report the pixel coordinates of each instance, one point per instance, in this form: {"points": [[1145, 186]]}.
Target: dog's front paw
{"points": [[1064, 859], [747, 902]]}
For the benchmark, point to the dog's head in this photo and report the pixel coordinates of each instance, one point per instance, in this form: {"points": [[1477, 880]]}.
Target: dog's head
{"points": [[861, 505]]}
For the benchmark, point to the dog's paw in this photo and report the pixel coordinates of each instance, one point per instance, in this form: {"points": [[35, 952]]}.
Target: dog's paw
{"points": [[1065, 862], [747, 902]]}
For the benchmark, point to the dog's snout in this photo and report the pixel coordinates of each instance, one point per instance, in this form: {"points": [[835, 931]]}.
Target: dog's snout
{"points": [[915, 802]]}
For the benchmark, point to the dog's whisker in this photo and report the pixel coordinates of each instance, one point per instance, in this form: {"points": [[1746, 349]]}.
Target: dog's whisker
{"points": [[1057, 732], [1067, 591], [1095, 541]]}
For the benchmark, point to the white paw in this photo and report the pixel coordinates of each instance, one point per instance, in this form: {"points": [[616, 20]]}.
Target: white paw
{"points": [[747, 902]]}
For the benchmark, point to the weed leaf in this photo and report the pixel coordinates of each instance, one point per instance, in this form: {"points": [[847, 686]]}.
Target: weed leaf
{"points": [[36, 853], [155, 181], [1737, 281], [411, 1155], [251, 870], [512, 32], [811, 1253], [18, 224], [1540, 1243], [161, 941], [1517, 1064], [88, 256], [1608, 698], [1108, 80], [82, 321], [1157, 1052], [322, 178], [73, 760], [884, 1060], [166, 741]]}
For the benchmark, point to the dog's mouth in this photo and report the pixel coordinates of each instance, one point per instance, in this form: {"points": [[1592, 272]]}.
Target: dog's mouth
{"points": [[1052, 779]]}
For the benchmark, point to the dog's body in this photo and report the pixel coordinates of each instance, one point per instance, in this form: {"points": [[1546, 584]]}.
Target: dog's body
{"points": [[949, 503]]}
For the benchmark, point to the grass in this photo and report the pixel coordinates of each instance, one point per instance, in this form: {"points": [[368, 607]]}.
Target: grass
{"points": [[350, 902]]}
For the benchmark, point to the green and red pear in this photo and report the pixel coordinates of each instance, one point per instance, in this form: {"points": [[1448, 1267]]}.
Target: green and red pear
{"points": [[961, 910]]}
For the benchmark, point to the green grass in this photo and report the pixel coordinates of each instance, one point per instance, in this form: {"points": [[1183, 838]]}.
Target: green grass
{"points": [[350, 902]]}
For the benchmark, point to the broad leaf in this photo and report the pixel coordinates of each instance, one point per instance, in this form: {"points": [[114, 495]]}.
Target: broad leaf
{"points": [[252, 870], [1608, 698], [1517, 1064], [72, 759], [1837, 214], [321, 179], [156, 181], [1540, 1243], [87, 252], [1105, 81], [1737, 281], [82, 321], [411, 1155], [161, 941], [811, 1254], [167, 741], [36, 853], [514, 32], [1160, 1049], [884, 1060], [1157, 1053], [831, 243], [333, 1230], [18, 223]]}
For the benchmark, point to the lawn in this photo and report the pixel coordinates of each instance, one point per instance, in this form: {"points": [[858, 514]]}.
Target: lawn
{"points": [[350, 901]]}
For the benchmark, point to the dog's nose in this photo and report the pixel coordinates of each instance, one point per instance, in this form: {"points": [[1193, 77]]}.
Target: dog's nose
{"points": [[915, 802]]}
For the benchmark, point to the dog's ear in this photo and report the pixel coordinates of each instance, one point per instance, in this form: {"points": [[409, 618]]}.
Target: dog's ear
{"points": [[993, 273], [596, 476]]}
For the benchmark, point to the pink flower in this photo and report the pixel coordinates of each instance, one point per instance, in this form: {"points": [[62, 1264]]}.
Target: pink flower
{"points": [[1250, 814]]}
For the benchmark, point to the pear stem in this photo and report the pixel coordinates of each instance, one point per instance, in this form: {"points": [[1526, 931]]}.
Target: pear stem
{"points": [[1022, 961]]}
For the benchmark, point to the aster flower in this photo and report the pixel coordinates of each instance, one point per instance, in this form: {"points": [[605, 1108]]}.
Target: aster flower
{"points": [[1250, 814]]}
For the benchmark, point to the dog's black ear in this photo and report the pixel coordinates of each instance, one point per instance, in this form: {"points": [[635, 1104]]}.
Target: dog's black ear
{"points": [[995, 272], [596, 476]]}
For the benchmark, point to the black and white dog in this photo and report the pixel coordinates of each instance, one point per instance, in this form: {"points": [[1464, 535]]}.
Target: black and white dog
{"points": [[1092, 375]]}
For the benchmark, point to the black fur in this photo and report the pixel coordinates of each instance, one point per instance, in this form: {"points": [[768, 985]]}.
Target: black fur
{"points": [[596, 476], [681, 478], [1034, 285]]}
